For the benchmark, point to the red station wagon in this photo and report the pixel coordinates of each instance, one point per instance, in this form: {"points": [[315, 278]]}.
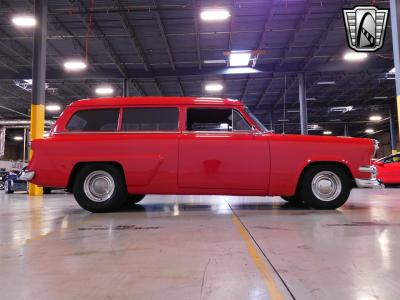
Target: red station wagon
{"points": [[113, 150]]}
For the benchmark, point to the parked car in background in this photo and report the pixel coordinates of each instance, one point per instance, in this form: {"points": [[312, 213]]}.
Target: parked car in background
{"points": [[388, 170], [13, 182], [113, 150], [3, 174]]}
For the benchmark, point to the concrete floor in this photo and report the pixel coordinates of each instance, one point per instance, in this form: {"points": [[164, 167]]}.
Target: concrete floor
{"points": [[200, 247]]}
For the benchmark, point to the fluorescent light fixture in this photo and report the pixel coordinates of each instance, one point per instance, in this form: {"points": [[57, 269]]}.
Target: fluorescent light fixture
{"points": [[293, 111], [326, 82], [239, 58], [375, 118], [28, 81], [342, 109], [53, 107], [214, 15], [314, 127], [392, 71], [369, 131], [18, 138], [214, 61], [355, 56], [285, 120], [381, 97], [75, 65], [24, 21], [311, 99], [240, 70], [327, 132], [213, 87], [104, 90]]}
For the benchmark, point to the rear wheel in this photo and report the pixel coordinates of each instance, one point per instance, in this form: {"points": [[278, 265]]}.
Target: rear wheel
{"points": [[8, 188], [325, 186], [292, 199], [135, 198], [100, 188], [47, 190]]}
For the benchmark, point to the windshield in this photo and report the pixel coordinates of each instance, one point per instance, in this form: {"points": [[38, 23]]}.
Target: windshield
{"points": [[255, 120]]}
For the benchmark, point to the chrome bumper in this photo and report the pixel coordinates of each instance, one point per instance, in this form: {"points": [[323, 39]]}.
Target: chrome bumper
{"points": [[27, 175], [371, 183]]}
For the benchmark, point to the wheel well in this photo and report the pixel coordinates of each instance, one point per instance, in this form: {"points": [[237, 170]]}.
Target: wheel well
{"points": [[343, 166], [79, 165]]}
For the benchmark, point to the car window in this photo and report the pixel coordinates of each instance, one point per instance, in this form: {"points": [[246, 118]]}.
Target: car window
{"points": [[213, 119], [392, 159], [150, 119], [239, 123], [94, 120]]}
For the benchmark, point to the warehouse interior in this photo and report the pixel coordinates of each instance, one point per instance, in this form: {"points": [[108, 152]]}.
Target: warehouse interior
{"points": [[300, 77]]}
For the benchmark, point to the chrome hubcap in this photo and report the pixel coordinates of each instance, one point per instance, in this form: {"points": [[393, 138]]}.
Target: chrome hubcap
{"points": [[326, 186], [99, 186]]}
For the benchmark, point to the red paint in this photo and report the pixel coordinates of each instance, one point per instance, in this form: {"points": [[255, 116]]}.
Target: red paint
{"points": [[389, 173], [189, 162]]}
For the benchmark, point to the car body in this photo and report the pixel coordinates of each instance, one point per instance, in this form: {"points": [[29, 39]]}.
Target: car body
{"points": [[14, 183], [388, 169], [188, 145]]}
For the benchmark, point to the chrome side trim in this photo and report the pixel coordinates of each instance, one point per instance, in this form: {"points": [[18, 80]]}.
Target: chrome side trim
{"points": [[116, 132], [368, 183]]}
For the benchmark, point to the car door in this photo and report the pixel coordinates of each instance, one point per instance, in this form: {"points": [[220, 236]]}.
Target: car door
{"points": [[219, 150]]}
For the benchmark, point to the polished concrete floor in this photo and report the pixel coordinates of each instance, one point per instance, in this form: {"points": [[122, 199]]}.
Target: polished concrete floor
{"points": [[200, 247]]}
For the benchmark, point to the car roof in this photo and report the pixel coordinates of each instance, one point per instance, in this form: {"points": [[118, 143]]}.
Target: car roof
{"points": [[156, 101]]}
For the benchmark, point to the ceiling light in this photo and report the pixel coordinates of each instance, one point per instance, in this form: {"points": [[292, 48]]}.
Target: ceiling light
{"points": [[25, 21], [75, 65], [381, 97], [214, 61], [392, 71], [18, 138], [285, 120], [53, 107], [375, 118], [311, 99], [28, 81], [342, 109], [104, 90], [293, 111], [314, 127], [239, 59], [326, 82], [355, 56], [214, 15], [214, 87], [327, 132], [369, 131]]}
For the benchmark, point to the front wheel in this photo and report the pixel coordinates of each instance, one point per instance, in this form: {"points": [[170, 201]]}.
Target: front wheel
{"points": [[325, 186], [133, 198], [100, 188]]}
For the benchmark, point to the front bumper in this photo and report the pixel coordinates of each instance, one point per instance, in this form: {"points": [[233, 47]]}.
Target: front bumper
{"points": [[27, 175], [371, 183]]}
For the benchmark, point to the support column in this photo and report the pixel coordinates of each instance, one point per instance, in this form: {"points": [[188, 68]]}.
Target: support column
{"points": [[125, 88], [303, 104], [271, 120], [392, 129], [25, 143], [38, 77], [346, 129], [395, 20], [2, 141]]}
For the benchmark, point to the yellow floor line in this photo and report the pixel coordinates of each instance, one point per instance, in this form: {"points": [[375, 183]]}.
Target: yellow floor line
{"points": [[273, 290]]}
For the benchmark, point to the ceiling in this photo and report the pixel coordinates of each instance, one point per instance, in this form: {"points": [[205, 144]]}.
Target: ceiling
{"points": [[160, 47]]}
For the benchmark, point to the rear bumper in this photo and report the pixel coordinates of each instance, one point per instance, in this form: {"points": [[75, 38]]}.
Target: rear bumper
{"points": [[27, 175], [371, 183]]}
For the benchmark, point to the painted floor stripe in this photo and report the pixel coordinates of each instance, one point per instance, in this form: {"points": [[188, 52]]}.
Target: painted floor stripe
{"points": [[273, 290]]}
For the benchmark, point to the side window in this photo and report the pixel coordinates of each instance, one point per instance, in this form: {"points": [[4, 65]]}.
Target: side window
{"points": [[208, 119], [94, 120], [150, 119], [239, 123]]}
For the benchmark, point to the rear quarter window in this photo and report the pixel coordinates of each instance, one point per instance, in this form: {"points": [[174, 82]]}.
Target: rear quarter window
{"points": [[150, 119], [94, 120]]}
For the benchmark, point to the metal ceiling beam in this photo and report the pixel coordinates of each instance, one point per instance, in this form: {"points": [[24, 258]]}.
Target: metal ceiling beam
{"points": [[267, 22], [196, 30], [132, 35], [164, 36]]}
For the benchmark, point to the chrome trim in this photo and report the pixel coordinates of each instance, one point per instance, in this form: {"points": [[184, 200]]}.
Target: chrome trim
{"points": [[367, 169], [368, 183], [217, 132], [376, 146]]}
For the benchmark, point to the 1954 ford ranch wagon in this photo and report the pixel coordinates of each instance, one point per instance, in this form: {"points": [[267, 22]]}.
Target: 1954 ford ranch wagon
{"points": [[114, 150]]}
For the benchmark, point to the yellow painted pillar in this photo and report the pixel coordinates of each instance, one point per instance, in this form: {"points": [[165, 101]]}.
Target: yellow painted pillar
{"points": [[37, 130]]}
